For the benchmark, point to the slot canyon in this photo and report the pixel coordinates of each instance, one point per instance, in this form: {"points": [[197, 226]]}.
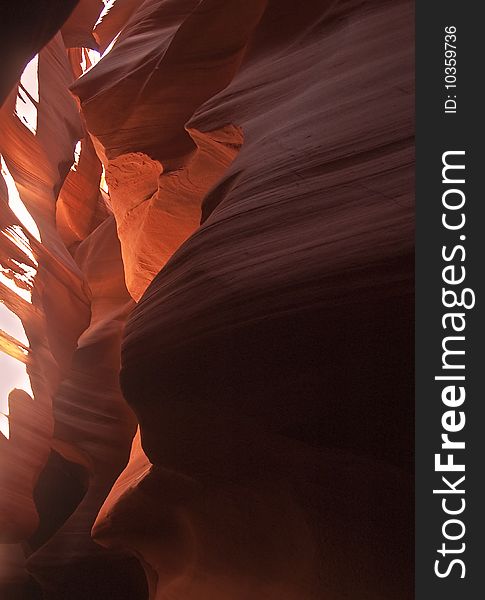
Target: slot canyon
{"points": [[207, 289]]}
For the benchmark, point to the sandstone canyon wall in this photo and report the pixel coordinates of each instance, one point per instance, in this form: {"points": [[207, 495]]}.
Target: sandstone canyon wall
{"points": [[206, 285]]}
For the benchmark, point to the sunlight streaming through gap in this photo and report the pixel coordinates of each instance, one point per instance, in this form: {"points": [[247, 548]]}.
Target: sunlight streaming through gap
{"points": [[28, 95], [77, 155], [16, 204], [108, 5], [110, 47], [18, 277], [89, 59], [13, 371], [103, 185]]}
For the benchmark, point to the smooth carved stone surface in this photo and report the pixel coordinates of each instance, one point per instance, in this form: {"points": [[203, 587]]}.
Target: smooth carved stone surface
{"points": [[25, 28], [67, 287], [77, 30], [112, 20], [157, 170], [242, 170], [80, 207], [94, 426], [269, 361], [59, 309], [156, 211], [160, 61]]}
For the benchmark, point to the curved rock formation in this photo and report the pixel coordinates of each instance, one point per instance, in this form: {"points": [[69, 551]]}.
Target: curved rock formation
{"points": [[94, 428], [112, 20], [235, 183], [77, 31], [76, 416], [46, 290], [25, 28]]}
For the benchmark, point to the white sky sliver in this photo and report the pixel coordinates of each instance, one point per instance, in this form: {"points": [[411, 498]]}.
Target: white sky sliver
{"points": [[16, 204], [77, 155], [26, 106], [13, 373]]}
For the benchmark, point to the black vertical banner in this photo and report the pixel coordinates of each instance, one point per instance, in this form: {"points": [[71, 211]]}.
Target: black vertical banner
{"points": [[450, 249]]}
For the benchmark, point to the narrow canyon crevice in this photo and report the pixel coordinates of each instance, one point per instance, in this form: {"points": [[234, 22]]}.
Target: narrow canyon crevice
{"points": [[206, 286]]}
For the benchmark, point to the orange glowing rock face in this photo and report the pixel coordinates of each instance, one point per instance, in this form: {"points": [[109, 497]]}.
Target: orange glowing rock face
{"points": [[156, 211], [37, 276], [206, 248]]}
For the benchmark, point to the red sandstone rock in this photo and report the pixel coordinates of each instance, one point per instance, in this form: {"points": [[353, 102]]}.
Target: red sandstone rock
{"points": [[94, 426], [58, 310], [112, 20], [69, 297], [25, 28], [77, 30], [80, 207], [259, 164]]}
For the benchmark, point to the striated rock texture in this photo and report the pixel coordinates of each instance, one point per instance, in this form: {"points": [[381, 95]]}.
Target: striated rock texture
{"points": [[25, 28], [217, 214], [40, 282]]}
